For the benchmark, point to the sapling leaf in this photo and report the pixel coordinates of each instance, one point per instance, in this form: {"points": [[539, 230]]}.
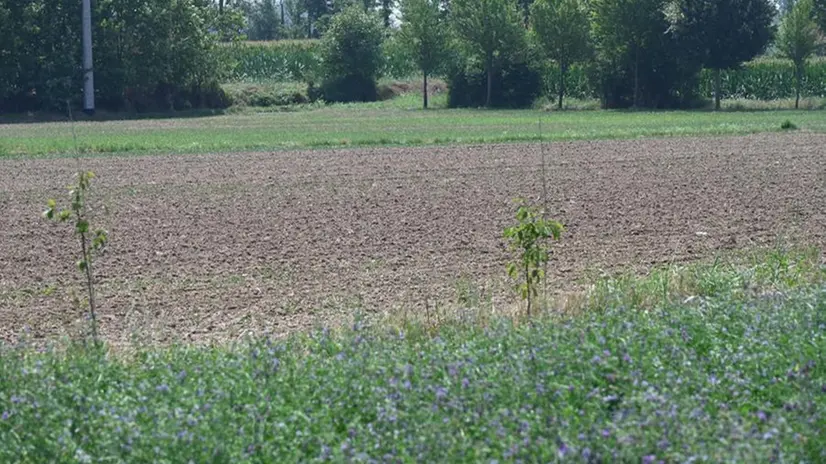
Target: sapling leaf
{"points": [[82, 264], [64, 215], [82, 226]]}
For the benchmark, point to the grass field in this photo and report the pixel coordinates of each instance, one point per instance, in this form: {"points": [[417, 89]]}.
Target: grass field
{"points": [[716, 362], [353, 305], [386, 123]]}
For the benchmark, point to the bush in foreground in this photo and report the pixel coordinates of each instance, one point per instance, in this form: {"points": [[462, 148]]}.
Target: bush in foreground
{"points": [[707, 363]]}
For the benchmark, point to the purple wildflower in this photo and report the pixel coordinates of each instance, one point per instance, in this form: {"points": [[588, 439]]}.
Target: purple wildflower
{"points": [[465, 383], [5, 415], [606, 433], [563, 449], [596, 360], [761, 415], [649, 459], [626, 358], [163, 388], [441, 393]]}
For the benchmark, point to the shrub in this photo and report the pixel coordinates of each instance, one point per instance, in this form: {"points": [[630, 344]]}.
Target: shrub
{"points": [[515, 85], [351, 54], [349, 88], [264, 95]]}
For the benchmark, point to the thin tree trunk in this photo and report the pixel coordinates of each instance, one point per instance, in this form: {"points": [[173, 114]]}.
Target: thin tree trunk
{"points": [[489, 95], [562, 71], [528, 284], [90, 287], [637, 78], [424, 91], [309, 26], [718, 89], [282, 13], [799, 83], [220, 6]]}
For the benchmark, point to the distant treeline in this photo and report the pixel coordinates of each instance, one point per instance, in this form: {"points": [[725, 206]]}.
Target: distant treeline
{"points": [[174, 54]]}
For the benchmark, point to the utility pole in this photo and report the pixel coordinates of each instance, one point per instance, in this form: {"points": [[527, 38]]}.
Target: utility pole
{"points": [[88, 72]]}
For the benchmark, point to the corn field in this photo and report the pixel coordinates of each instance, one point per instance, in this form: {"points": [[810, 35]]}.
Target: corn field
{"points": [[299, 61], [281, 61], [767, 79]]}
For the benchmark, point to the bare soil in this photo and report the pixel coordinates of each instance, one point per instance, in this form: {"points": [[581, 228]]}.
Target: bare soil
{"points": [[208, 247]]}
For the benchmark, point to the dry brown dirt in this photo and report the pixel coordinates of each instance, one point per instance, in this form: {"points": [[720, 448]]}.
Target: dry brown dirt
{"points": [[207, 247]]}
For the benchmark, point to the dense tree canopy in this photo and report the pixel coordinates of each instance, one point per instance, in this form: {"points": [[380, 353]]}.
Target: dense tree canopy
{"points": [[797, 40], [725, 33], [491, 30], [148, 54], [425, 33], [351, 55], [562, 31], [167, 54]]}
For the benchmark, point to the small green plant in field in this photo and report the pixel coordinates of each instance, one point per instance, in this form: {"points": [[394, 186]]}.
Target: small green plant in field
{"points": [[529, 239], [90, 242], [788, 125]]}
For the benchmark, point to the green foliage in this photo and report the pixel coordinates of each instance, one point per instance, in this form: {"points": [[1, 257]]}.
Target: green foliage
{"points": [[708, 363], [577, 82], [149, 54], [91, 242], [819, 12], [379, 124], [267, 94], [788, 125], [798, 40], [529, 239], [722, 34], [264, 21], [492, 32], [351, 52], [562, 31], [515, 85], [278, 61], [425, 34], [398, 61], [639, 63], [767, 79]]}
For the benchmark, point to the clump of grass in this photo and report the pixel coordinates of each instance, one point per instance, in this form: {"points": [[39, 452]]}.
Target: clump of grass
{"points": [[788, 125], [728, 375]]}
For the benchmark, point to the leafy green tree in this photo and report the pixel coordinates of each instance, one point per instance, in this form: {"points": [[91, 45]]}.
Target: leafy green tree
{"points": [[819, 7], [562, 30], [491, 29], [424, 33], [264, 21], [149, 54], [797, 40], [316, 9], [351, 52], [725, 33], [625, 30]]}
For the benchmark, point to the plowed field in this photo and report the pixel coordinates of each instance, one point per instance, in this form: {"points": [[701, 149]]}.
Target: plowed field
{"points": [[214, 246]]}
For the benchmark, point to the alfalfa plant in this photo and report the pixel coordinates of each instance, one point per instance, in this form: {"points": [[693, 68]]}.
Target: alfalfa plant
{"points": [[90, 243], [530, 239]]}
